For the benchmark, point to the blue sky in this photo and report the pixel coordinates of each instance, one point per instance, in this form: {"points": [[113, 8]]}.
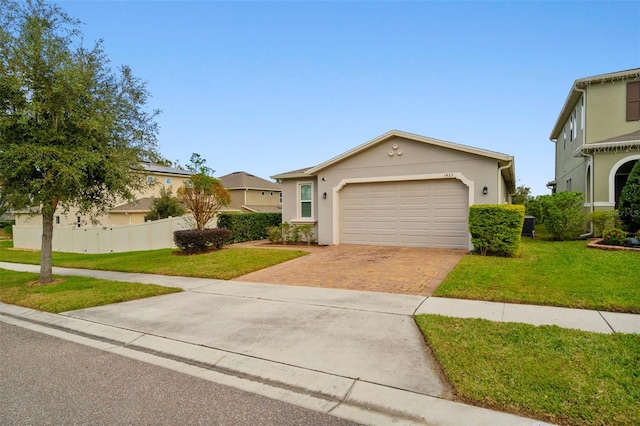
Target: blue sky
{"points": [[268, 87]]}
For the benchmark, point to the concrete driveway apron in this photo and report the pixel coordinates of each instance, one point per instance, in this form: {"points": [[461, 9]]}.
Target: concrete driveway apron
{"points": [[400, 270], [360, 335]]}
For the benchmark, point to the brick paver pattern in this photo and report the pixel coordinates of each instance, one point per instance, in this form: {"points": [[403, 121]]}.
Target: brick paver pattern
{"points": [[402, 270]]}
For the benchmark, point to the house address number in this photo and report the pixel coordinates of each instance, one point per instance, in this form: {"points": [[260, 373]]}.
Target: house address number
{"points": [[449, 175]]}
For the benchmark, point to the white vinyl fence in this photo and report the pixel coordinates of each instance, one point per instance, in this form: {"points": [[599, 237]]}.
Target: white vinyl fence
{"points": [[105, 239]]}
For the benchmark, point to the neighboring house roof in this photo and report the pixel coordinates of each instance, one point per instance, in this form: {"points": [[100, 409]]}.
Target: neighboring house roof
{"points": [[159, 168], [503, 159], [263, 209], [244, 180], [576, 92], [137, 206], [622, 142]]}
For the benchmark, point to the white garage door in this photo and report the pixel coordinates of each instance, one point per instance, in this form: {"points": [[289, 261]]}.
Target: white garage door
{"points": [[430, 213]]}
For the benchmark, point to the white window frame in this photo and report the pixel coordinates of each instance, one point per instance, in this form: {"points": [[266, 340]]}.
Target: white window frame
{"points": [[300, 201], [582, 113], [572, 125], [280, 196], [168, 181], [150, 179]]}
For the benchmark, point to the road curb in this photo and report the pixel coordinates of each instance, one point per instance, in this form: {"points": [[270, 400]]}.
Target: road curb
{"points": [[349, 398]]}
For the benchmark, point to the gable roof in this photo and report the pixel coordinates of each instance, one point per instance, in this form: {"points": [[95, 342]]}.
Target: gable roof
{"points": [[244, 180], [581, 84], [502, 159], [417, 138]]}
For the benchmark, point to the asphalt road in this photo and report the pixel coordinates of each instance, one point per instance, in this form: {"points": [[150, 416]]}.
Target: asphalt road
{"points": [[49, 381]]}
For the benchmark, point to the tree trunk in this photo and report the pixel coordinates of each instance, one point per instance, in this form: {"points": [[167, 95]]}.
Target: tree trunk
{"points": [[46, 262]]}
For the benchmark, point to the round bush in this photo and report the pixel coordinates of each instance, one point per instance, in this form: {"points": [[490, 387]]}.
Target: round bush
{"points": [[614, 237], [201, 240]]}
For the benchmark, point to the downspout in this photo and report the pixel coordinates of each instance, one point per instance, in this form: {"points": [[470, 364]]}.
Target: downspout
{"points": [[591, 168], [500, 169]]}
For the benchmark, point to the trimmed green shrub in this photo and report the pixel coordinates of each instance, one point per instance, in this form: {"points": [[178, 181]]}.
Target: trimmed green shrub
{"points": [[603, 219], [496, 228], [201, 240], [614, 237], [563, 214], [629, 203], [307, 232], [274, 234], [248, 226]]}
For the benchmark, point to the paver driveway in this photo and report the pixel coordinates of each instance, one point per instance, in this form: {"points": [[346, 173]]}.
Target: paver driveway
{"points": [[403, 270]]}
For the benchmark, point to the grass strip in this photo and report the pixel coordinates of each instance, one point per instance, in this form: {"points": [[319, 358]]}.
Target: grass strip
{"points": [[548, 373], [222, 264], [68, 293], [550, 273]]}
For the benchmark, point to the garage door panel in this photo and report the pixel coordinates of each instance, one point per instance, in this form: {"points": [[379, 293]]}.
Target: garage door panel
{"points": [[415, 213], [415, 226], [354, 213], [382, 213], [382, 201]]}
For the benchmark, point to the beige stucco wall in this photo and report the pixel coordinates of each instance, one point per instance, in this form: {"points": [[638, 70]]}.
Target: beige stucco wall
{"points": [[270, 197], [417, 158], [606, 111], [567, 166], [253, 197]]}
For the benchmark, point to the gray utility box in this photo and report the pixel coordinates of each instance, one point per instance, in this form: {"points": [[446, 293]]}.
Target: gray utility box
{"points": [[529, 226]]}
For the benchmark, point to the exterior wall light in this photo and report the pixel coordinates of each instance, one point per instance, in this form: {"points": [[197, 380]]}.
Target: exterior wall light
{"points": [[485, 190], [324, 195]]}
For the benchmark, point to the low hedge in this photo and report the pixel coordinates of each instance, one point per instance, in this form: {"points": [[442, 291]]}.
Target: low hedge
{"points": [[496, 228], [248, 226], [201, 240]]}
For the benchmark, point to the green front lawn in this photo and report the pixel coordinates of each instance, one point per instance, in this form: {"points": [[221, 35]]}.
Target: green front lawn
{"points": [[69, 293], [551, 273], [548, 373], [223, 264]]}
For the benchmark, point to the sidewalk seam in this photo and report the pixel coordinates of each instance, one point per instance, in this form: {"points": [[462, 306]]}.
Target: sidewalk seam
{"points": [[606, 322]]}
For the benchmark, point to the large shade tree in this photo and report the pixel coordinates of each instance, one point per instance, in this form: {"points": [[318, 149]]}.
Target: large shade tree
{"points": [[72, 132]]}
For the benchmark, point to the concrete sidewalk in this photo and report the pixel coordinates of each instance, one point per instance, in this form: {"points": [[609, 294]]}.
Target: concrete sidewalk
{"points": [[356, 355]]}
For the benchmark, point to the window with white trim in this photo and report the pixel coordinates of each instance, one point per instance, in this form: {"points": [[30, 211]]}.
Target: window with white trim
{"points": [[564, 138], [572, 125], [168, 181], [582, 114], [305, 197], [280, 197]]}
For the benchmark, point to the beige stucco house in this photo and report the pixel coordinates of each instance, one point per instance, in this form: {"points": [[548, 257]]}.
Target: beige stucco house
{"points": [[398, 189], [251, 193], [597, 137], [128, 213]]}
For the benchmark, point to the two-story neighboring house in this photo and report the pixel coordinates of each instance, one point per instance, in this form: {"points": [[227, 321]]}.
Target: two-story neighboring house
{"points": [[597, 138], [130, 213], [250, 193]]}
